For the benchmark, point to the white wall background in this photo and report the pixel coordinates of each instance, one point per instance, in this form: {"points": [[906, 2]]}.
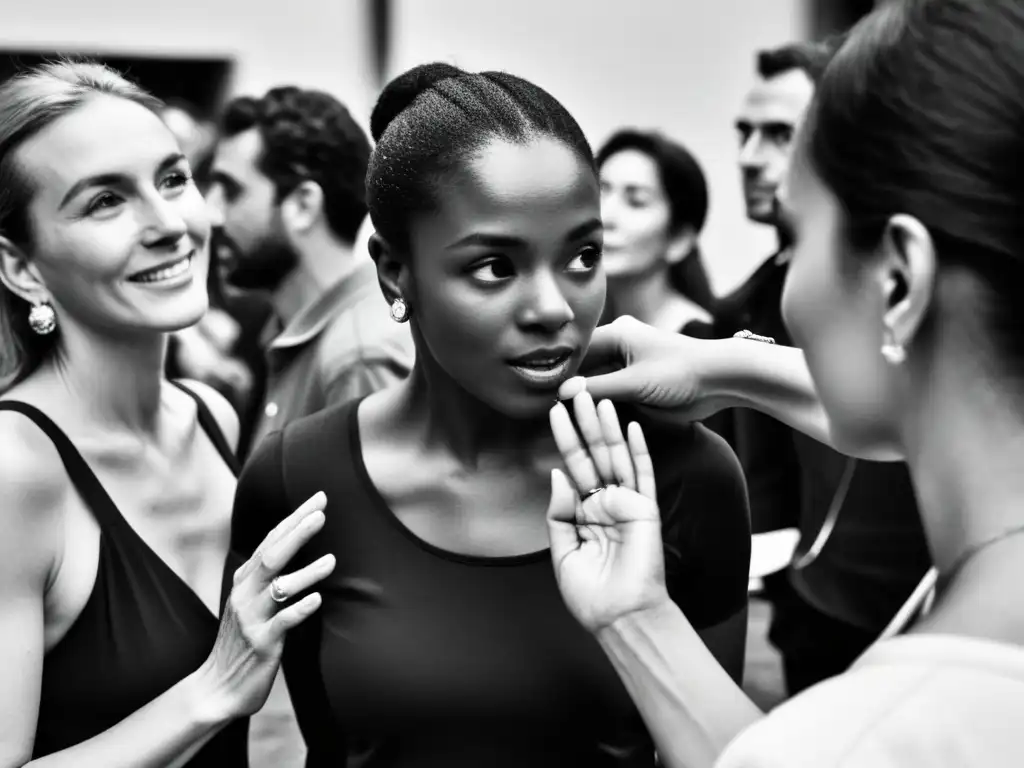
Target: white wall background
{"points": [[316, 43], [679, 65]]}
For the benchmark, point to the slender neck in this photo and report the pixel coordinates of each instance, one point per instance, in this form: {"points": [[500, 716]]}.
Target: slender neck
{"points": [[963, 443], [653, 300], [114, 381], [446, 417]]}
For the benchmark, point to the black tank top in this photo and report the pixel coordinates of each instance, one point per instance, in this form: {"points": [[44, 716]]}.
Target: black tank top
{"points": [[141, 631]]}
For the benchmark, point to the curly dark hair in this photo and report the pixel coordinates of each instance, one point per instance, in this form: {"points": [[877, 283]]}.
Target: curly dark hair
{"points": [[308, 135]]}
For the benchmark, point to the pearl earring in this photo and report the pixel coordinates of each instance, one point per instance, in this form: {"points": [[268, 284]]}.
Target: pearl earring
{"points": [[399, 311], [42, 319], [893, 352]]}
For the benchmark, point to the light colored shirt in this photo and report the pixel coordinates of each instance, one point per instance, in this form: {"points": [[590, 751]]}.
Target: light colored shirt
{"points": [[914, 701], [341, 347]]}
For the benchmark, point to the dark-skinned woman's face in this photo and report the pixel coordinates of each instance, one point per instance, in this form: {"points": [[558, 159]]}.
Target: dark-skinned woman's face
{"points": [[504, 278]]}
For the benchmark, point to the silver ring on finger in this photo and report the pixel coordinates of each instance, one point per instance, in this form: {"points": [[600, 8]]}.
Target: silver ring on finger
{"points": [[592, 492], [277, 594]]}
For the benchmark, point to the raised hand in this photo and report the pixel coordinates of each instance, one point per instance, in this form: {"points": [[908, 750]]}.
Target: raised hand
{"points": [[604, 523], [260, 611]]}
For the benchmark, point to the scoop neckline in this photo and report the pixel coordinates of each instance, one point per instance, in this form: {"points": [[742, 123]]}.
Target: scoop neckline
{"points": [[380, 504]]}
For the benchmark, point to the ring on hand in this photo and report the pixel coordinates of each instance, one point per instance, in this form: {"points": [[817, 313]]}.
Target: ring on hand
{"points": [[277, 594], [592, 492], [753, 337]]}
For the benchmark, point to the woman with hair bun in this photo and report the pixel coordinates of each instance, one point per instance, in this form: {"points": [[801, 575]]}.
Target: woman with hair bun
{"points": [[443, 640]]}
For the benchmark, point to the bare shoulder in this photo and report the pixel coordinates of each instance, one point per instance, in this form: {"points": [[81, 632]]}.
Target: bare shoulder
{"points": [[35, 489], [219, 406]]}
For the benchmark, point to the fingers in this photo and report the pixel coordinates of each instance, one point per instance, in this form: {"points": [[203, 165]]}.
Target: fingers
{"points": [[276, 557], [292, 584], [293, 615], [621, 461], [622, 505], [561, 516], [590, 426], [314, 503], [623, 386], [606, 347], [577, 459], [642, 463], [606, 371]]}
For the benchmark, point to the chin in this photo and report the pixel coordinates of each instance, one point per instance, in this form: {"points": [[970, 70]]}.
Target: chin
{"points": [[185, 313]]}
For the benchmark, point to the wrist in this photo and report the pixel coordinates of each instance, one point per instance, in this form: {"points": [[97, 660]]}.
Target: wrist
{"points": [[639, 622], [723, 373], [210, 700]]}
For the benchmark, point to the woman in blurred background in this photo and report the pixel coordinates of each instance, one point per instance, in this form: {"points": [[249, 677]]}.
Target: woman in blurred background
{"points": [[654, 201], [124, 639], [905, 201], [443, 640]]}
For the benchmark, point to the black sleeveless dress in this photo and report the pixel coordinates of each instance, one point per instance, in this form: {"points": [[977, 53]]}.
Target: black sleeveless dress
{"points": [[142, 630]]}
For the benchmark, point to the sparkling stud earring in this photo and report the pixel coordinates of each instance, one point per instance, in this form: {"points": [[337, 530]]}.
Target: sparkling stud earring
{"points": [[42, 319], [893, 352], [399, 311]]}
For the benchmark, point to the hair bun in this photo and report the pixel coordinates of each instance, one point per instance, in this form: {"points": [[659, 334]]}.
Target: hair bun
{"points": [[400, 93]]}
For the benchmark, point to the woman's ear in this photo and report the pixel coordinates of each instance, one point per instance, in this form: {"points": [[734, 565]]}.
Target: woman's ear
{"points": [[392, 269], [907, 277], [19, 275]]}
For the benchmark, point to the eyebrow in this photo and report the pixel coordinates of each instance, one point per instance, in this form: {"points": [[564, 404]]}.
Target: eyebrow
{"points": [[509, 241], [110, 179]]}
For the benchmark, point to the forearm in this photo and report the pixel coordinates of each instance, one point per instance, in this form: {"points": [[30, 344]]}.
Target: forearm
{"points": [[769, 378], [775, 380], [166, 733], [691, 706]]}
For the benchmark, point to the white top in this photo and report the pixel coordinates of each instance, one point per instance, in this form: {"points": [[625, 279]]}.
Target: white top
{"points": [[916, 700]]}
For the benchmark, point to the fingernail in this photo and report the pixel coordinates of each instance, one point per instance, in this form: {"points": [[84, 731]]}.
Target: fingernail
{"points": [[583, 395], [572, 387]]}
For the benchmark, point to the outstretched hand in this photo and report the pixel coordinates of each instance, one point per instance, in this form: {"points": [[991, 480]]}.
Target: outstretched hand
{"points": [[631, 362], [606, 546]]}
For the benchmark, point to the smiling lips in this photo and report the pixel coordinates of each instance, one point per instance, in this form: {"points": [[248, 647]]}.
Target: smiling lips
{"points": [[165, 271]]}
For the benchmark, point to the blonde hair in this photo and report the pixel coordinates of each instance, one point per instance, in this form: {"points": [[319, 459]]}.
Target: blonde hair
{"points": [[29, 102]]}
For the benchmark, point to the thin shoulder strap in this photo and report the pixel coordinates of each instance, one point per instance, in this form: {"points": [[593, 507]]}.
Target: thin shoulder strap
{"points": [[82, 477], [212, 429]]}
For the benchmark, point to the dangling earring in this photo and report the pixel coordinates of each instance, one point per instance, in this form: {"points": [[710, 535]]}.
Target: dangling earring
{"points": [[893, 353], [42, 319], [399, 311]]}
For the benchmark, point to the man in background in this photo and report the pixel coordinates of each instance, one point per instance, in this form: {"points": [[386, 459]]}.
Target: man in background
{"points": [[287, 187], [862, 549]]}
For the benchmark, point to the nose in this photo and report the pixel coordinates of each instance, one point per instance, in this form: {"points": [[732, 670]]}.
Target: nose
{"points": [[545, 305], [163, 221], [752, 151]]}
